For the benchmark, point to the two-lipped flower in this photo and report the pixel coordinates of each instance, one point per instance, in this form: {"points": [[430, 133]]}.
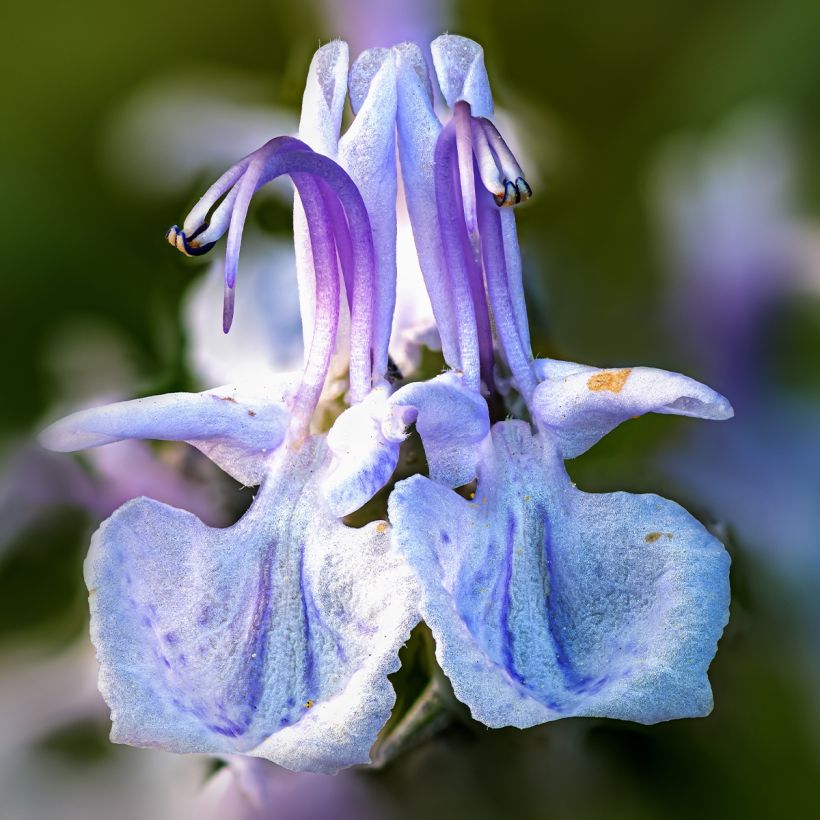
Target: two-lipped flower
{"points": [[274, 637]]}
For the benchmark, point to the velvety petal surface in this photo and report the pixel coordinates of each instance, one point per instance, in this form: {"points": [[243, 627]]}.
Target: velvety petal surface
{"points": [[459, 64], [272, 638], [319, 124], [452, 421], [579, 404], [236, 426], [364, 454], [547, 602], [367, 152], [417, 129]]}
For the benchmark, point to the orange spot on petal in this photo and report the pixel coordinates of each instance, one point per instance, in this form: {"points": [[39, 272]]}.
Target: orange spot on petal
{"points": [[612, 380]]}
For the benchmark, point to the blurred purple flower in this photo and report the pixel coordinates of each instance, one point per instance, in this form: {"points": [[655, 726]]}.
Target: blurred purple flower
{"points": [[737, 252], [249, 789]]}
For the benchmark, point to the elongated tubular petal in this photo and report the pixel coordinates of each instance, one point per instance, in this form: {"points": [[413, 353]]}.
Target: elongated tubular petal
{"points": [[364, 268], [326, 321], [519, 358], [418, 129], [466, 174], [459, 64], [515, 278], [449, 217], [246, 189], [323, 103], [367, 152]]}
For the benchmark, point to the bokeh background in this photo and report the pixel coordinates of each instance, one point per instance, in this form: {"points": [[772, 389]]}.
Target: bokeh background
{"points": [[674, 149]]}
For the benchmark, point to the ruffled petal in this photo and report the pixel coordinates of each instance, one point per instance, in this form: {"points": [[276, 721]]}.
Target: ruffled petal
{"points": [[578, 405], [459, 64], [236, 426], [364, 457], [272, 638], [546, 602], [452, 421]]}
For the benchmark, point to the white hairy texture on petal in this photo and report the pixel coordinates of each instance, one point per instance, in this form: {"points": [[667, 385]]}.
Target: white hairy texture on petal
{"points": [[319, 126], [546, 602], [577, 405], [236, 426], [364, 457], [418, 129], [324, 99], [451, 420], [367, 152], [272, 638], [459, 64]]}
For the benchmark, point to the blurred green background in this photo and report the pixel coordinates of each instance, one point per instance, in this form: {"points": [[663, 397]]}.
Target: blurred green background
{"points": [[597, 91]]}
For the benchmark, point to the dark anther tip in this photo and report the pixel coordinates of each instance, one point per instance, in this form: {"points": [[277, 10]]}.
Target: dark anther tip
{"points": [[185, 244], [195, 250], [524, 190], [511, 196]]}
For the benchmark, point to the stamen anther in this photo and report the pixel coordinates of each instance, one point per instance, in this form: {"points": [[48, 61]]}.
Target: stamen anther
{"points": [[187, 245], [524, 189]]}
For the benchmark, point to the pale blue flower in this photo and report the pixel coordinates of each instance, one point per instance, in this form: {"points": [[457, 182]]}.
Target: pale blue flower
{"points": [[544, 601], [273, 637]]}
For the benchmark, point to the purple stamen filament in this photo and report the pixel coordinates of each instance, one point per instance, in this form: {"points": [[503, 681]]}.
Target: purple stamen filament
{"points": [[468, 158], [337, 224], [451, 226]]}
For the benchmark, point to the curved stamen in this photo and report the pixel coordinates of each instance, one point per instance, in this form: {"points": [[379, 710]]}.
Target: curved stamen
{"points": [[185, 244], [341, 232], [516, 188], [488, 170], [466, 177], [323, 248], [518, 357], [348, 226], [449, 218], [198, 215], [475, 278]]}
